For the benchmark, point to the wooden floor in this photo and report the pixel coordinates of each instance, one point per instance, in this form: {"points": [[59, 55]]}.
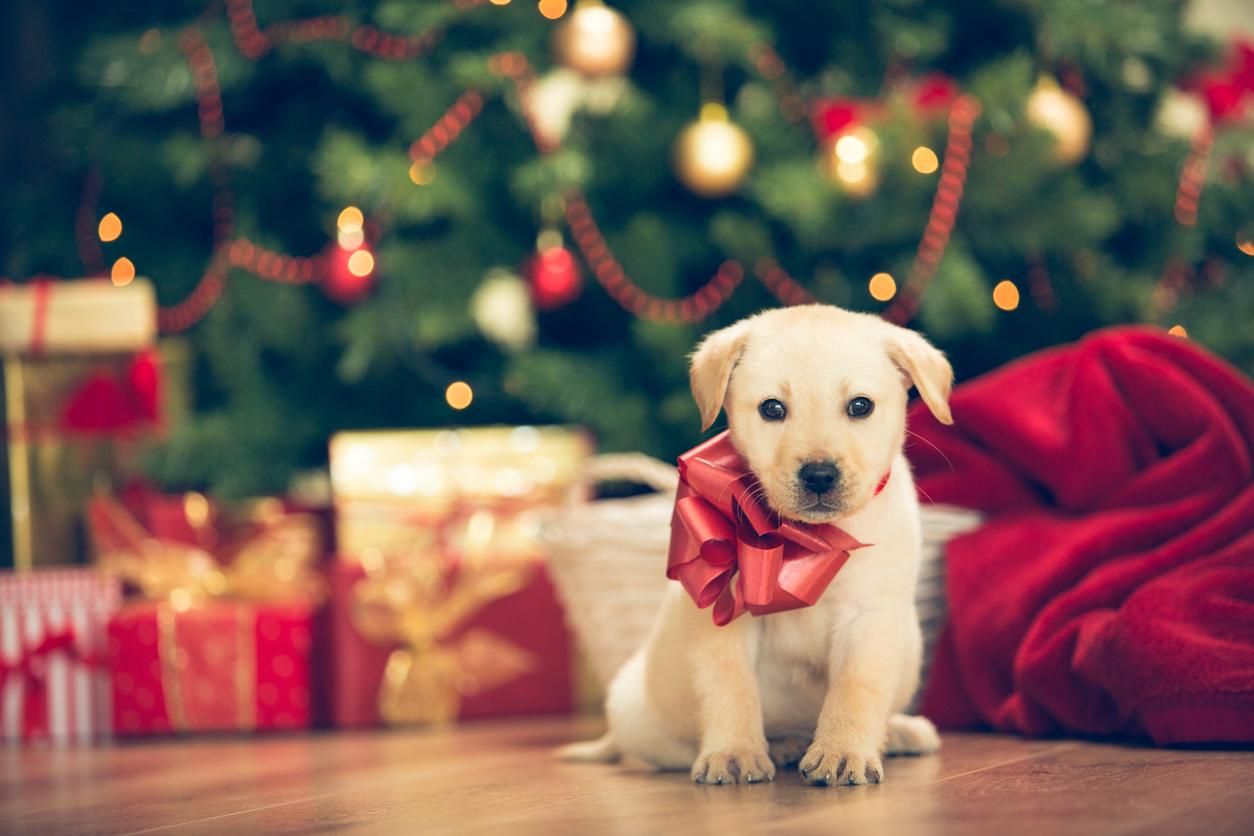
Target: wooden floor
{"points": [[498, 778]]}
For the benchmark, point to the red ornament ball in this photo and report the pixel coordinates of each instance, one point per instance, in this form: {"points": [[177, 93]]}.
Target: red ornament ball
{"points": [[350, 274], [554, 277]]}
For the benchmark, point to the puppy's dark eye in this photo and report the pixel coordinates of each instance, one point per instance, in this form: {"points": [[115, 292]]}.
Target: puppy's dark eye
{"points": [[772, 410], [860, 407]]}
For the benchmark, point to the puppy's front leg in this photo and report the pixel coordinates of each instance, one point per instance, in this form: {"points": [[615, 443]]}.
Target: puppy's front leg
{"points": [[733, 742], [863, 679]]}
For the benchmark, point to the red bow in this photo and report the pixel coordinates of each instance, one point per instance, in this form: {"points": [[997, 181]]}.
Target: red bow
{"points": [[722, 529], [32, 666], [1228, 91]]}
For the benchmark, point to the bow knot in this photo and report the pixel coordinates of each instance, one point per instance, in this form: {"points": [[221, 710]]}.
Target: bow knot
{"points": [[729, 550], [32, 668]]}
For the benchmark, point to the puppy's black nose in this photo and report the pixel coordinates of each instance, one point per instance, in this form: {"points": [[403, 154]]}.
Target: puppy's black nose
{"points": [[818, 476]]}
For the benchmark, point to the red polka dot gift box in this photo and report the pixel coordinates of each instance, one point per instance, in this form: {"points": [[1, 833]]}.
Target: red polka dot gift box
{"points": [[215, 666]]}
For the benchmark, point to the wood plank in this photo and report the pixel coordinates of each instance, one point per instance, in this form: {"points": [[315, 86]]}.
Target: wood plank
{"points": [[1093, 788], [498, 776], [515, 785]]}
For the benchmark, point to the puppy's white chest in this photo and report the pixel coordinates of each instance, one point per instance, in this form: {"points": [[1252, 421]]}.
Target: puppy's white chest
{"points": [[794, 651]]}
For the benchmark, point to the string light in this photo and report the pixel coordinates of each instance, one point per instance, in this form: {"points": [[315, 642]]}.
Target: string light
{"points": [[110, 227], [1193, 177], [361, 263], [853, 148], [453, 121], [123, 272], [1006, 295], [944, 211], [924, 160], [882, 287], [781, 285], [254, 42], [350, 220], [422, 172], [351, 240], [1245, 241], [459, 394], [1178, 331], [552, 9], [499, 2]]}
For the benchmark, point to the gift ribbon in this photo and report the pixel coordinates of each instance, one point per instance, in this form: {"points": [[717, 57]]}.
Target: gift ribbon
{"points": [[32, 667], [39, 321], [186, 666], [729, 550], [417, 605], [274, 564]]}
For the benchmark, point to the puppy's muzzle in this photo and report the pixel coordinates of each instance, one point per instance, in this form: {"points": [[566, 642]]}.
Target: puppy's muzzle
{"points": [[818, 477]]}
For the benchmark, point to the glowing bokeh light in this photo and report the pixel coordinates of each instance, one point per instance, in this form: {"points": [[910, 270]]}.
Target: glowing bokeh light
{"points": [[361, 263], [110, 228], [422, 172], [123, 272], [350, 220], [882, 287], [1006, 295], [924, 160], [552, 9], [459, 394]]}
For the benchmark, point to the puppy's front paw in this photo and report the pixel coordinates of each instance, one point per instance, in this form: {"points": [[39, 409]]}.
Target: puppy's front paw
{"points": [[830, 766], [734, 766]]}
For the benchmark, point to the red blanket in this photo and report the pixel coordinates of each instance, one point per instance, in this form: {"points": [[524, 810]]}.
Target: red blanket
{"points": [[1111, 590]]}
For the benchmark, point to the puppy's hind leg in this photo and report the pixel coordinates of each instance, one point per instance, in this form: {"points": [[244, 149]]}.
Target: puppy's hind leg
{"points": [[601, 750], [911, 735]]}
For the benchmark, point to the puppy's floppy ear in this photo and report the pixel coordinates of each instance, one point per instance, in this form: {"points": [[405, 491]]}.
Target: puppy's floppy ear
{"points": [[927, 368], [711, 369]]}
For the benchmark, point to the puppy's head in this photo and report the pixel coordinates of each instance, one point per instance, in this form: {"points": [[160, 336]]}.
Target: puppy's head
{"points": [[816, 401]]}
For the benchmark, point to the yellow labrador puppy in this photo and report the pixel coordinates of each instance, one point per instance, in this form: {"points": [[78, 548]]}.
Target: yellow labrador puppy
{"points": [[816, 404]]}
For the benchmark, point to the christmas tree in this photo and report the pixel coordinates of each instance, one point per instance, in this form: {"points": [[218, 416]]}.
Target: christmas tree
{"points": [[405, 213]]}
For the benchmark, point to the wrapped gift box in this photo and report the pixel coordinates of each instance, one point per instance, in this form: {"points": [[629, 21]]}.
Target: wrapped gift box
{"points": [[511, 656], [53, 682], [440, 604], [219, 636], [82, 392], [212, 666]]}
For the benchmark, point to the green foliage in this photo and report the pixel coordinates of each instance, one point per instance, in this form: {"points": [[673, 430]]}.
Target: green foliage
{"points": [[313, 127]]}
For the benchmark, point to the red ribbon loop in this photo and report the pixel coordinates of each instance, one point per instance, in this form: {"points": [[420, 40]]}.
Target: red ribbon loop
{"points": [[730, 550]]}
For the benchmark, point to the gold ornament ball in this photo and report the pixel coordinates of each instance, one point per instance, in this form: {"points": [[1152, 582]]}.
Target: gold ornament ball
{"points": [[1062, 114], [712, 155], [595, 41], [851, 160]]}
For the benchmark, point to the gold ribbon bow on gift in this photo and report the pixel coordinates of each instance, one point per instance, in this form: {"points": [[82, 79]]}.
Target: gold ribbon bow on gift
{"points": [[273, 562], [418, 604], [208, 659]]}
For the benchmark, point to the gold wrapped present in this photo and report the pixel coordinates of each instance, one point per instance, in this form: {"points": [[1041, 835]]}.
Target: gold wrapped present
{"points": [[474, 492], [81, 394], [441, 604]]}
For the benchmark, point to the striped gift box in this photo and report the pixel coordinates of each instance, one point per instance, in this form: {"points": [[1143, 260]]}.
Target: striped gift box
{"points": [[53, 683]]}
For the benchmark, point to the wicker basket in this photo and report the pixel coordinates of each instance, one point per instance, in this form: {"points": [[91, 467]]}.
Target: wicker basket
{"points": [[608, 560]]}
